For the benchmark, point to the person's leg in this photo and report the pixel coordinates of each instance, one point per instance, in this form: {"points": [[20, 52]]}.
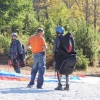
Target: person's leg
{"points": [[40, 77], [17, 67], [67, 82], [67, 79], [33, 72], [42, 67], [17, 70], [59, 60], [59, 76]]}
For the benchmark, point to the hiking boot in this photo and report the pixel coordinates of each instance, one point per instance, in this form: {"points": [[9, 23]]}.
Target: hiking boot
{"points": [[29, 86], [39, 88], [59, 87], [67, 87]]}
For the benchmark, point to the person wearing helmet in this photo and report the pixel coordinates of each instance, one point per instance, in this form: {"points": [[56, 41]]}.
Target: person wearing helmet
{"points": [[59, 35], [15, 52]]}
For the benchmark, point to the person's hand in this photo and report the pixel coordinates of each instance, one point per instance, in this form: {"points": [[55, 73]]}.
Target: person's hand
{"points": [[53, 54], [9, 62], [28, 47]]}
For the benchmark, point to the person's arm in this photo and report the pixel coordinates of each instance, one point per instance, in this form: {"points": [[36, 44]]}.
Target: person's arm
{"points": [[56, 45], [28, 46], [9, 53], [9, 56]]}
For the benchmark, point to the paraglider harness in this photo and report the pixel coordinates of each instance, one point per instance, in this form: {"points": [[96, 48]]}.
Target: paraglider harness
{"points": [[66, 55], [21, 57]]}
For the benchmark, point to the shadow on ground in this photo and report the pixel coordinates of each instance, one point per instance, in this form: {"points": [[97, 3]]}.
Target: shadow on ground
{"points": [[93, 75]]}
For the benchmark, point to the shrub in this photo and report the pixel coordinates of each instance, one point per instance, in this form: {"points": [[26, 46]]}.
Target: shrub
{"points": [[4, 44], [82, 61]]}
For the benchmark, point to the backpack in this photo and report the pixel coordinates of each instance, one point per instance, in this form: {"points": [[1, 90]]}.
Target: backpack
{"points": [[66, 56], [24, 56], [67, 43]]}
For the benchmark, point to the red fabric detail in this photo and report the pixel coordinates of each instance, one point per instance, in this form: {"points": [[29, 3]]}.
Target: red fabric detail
{"points": [[70, 46], [13, 78], [70, 35], [70, 49]]}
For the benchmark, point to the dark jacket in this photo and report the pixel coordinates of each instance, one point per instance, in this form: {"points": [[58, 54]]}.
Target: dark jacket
{"points": [[56, 43], [16, 50]]}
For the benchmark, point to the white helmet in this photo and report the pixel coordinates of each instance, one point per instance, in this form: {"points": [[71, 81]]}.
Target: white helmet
{"points": [[40, 30], [14, 34]]}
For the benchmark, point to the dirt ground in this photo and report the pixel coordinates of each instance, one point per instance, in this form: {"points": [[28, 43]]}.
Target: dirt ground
{"points": [[25, 70], [92, 71]]}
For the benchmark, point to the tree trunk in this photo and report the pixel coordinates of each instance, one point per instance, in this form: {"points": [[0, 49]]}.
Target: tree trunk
{"points": [[87, 11], [95, 16]]}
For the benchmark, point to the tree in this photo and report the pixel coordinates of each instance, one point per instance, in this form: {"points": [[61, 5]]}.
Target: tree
{"points": [[13, 12], [87, 40], [40, 6]]}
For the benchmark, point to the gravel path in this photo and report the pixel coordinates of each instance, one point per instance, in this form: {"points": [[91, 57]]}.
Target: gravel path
{"points": [[16, 90], [89, 89]]}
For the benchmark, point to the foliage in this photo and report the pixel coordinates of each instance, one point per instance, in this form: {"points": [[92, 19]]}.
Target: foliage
{"points": [[4, 44], [13, 13], [19, 16], [82, 61], [30, 24], [49, 27], [59, 14], [87, 39]]}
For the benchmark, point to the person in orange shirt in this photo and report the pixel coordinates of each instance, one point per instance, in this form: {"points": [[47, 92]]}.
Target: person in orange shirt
{"points": [[37, 45]]}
